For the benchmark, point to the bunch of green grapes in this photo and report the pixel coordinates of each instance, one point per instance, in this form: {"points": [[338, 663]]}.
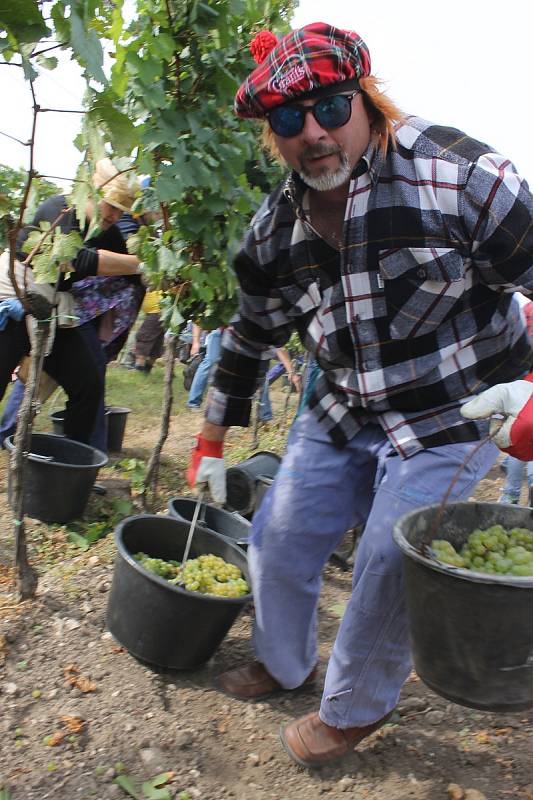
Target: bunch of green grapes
{"points": [[494, 551], [165, 569], [210, 574], [207, 574]]}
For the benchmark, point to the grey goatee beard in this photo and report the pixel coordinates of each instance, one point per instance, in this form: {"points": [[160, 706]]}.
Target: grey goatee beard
{"points": [[329, 179]]}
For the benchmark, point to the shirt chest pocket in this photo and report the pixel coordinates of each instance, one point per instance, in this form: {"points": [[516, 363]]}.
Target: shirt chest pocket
{"points": [[421, 285]]}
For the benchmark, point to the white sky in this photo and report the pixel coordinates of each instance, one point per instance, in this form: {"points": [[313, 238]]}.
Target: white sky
{"points": [[465, 63]]}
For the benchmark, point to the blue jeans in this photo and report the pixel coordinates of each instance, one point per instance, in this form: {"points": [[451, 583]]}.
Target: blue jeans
{"points": [[199, 382], [319, 492], [8, 423], [265, 406], [515, 471]]}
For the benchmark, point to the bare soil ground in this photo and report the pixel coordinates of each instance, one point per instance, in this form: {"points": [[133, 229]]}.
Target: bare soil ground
{"points": [[77, 711]]}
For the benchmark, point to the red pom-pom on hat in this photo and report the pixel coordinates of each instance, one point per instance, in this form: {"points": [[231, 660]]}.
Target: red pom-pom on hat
{"points": [[262, 45]]}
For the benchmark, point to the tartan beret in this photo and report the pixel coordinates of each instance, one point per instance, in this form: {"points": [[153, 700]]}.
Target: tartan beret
{"points": [[305, 60]]}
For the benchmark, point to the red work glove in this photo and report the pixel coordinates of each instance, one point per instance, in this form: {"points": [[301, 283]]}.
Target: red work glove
{"points": [[515, 402], [207, 467]]}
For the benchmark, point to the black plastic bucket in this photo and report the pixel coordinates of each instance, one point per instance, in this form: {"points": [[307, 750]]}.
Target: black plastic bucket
{"points": [[116, 426], [230, 525], [242, 480], [59, 475], [116, 419], [156, 621], [58, 422], [471, 632], [261, 488]]}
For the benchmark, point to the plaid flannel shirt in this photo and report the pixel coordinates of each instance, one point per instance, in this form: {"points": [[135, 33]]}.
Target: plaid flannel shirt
{"points": [[414, 314]]}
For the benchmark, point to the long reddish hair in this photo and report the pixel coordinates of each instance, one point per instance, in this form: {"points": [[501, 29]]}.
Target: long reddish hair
{"points": [[382, 112]]}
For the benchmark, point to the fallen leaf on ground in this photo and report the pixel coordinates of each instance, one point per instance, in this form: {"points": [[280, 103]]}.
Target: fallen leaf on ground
{"points": [[56, 738], [474, 794], [502, 731], [72, 674], [73, 724], [455, 792], [483, 737], [17, 772], [338, 609], [84, 684], [224, 724]]}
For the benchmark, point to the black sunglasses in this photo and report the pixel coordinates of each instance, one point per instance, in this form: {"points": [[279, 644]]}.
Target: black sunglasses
{"points": [[330, 112]]}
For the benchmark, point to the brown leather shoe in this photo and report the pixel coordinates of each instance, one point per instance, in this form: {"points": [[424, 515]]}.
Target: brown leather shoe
{"points": [[312, 743], [253, 682]]}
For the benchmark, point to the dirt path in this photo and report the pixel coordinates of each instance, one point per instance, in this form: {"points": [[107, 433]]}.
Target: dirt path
{"points": [[130, 720]]}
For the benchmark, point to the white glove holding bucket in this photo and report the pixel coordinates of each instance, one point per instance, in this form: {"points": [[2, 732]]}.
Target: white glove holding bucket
{"points": [[207, 467], [515, 402]]}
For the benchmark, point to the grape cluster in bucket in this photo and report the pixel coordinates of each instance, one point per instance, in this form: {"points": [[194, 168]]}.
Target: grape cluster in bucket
{"points": [[207, 574], [494, 551]]}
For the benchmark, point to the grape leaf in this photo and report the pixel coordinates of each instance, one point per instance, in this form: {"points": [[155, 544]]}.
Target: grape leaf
{"points": [[66, 246], [166, 261], [79, 541], [175, 320], [24, 20], [122, 505], [80, 193], [126, 783], [5, 204], [32, 241], [47, 62], [86, 45], [152, 791], [122, 133], [45, 270]]}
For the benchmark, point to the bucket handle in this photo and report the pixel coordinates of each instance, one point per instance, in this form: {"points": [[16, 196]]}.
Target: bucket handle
{"points": [[197, 508], [432, 529], [38, 457]]}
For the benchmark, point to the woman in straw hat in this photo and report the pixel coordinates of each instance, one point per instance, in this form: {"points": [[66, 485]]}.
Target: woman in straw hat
{"points": [[72, 359]]}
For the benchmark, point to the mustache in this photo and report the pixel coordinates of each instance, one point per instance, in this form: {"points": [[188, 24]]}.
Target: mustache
{"points": [[317, 150]]}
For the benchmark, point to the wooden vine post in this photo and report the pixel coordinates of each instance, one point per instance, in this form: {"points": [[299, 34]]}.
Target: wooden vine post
{"points": [[152, 474]]}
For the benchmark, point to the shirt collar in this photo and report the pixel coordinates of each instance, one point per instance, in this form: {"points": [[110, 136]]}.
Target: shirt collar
{"points": [[373, 158]]}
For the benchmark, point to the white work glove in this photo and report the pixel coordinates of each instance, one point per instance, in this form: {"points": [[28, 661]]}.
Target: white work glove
{"points": [[514, 401], [207, 468], [212, 472]]}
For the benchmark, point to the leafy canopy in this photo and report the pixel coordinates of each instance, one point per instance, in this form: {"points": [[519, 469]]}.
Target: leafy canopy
{"points": [[12, 185], [165, 105]]}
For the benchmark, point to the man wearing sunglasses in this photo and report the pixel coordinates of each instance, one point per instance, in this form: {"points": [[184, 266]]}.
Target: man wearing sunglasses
{"points": [[393, 248]]}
